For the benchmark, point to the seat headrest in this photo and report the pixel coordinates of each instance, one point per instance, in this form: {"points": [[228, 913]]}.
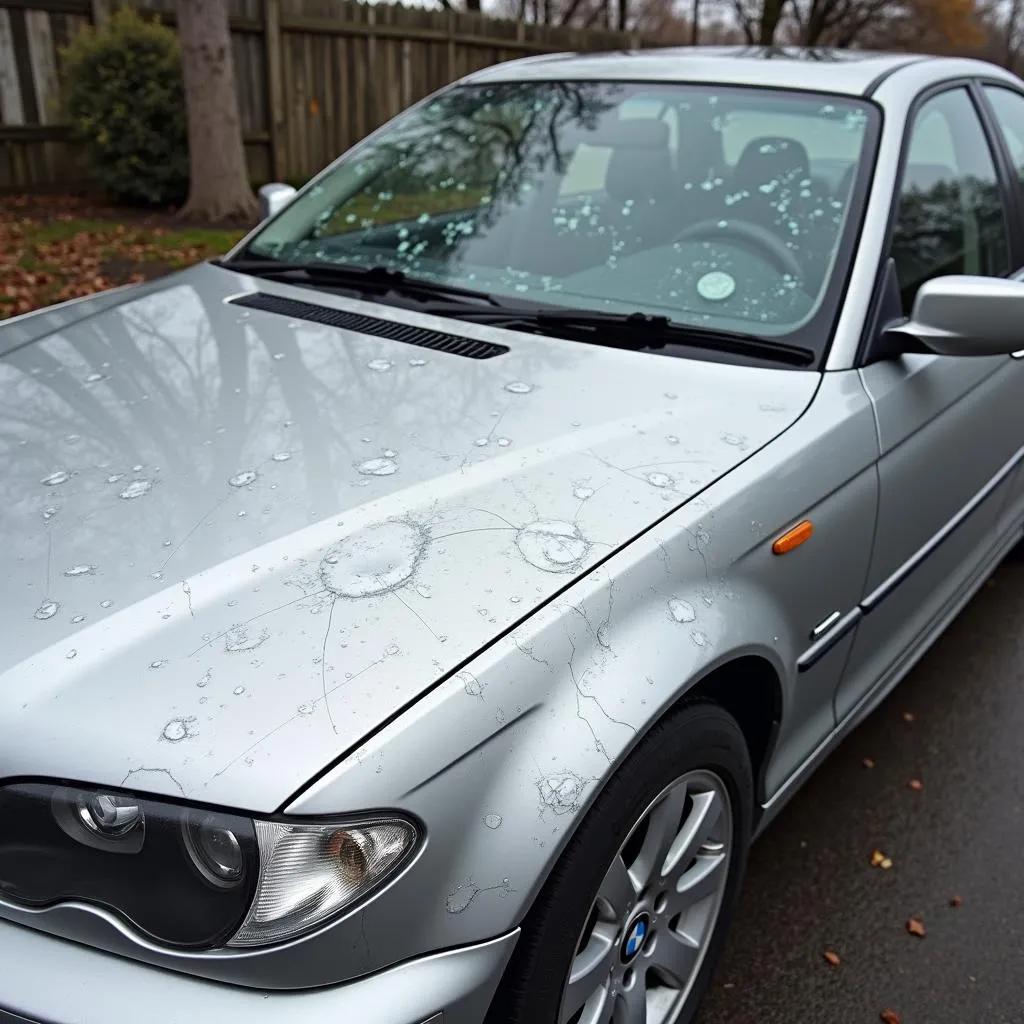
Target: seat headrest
{"points": [[771, 158], [639, 174], [630, 133]]}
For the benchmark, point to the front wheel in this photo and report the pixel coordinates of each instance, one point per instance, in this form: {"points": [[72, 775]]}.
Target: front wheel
{"points": [[629, 925]]}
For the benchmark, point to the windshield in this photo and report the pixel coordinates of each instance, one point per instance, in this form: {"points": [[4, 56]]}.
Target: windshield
{"points": [[721, 207]]}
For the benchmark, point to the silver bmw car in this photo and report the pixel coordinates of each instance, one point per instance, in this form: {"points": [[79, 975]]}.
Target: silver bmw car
{"points": [[414, 615]]}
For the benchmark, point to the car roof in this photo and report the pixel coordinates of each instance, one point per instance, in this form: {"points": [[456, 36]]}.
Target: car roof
{"points": [[845, 72]]}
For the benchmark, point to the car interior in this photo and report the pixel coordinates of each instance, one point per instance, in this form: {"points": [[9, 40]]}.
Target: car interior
{"points": [[629, 188], [670, 188]]}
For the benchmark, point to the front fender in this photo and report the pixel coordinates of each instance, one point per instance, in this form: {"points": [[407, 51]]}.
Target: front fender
{"points": [[504, 758]]}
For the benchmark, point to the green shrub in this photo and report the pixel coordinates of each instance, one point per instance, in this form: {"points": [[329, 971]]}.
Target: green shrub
{"points": [[122, 94]]}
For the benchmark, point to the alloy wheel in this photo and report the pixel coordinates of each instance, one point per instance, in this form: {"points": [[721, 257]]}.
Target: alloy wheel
{"points": [[648, 930]]}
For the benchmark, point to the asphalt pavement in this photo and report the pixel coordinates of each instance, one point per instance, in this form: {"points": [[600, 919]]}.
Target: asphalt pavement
{"points": [[956, 725]]}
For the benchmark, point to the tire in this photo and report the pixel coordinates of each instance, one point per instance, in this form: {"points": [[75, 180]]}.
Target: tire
{"points": [[573, 924]]}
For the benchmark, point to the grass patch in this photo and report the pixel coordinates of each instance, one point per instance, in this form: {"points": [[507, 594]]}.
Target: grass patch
{"points": [[56, 258]]}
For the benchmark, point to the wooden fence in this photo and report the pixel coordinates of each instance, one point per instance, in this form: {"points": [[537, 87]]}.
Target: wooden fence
{"points": [[314, 76]]}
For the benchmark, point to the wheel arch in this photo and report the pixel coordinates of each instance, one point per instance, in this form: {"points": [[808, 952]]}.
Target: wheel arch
{"points": [[749, 688]]}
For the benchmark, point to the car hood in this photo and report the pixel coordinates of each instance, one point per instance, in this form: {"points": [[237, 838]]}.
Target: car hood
{"points": [[233, 543]]}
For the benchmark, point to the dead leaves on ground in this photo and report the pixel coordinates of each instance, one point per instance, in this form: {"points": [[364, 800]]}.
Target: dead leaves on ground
{"points": [[914, 925], [57, 247], [880, 860]]}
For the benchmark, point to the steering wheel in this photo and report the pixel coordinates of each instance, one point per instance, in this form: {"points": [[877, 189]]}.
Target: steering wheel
{"points": [[770, 245]]}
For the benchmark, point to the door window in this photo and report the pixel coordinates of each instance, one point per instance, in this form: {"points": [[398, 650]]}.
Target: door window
{"points": [[951, 217], [1008, 107]]}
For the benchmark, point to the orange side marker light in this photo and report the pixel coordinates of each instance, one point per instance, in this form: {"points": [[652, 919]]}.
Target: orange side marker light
{"points": [[792, 539]]}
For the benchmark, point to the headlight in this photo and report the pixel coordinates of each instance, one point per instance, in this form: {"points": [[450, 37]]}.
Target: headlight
{"points": [[188, 877]]}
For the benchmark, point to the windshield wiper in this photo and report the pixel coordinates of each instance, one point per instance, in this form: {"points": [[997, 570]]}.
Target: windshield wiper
{"points": [[635, 331], [376, 280]]}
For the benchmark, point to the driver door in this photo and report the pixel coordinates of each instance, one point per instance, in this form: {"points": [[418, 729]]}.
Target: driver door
{"points": [[948, 427]]}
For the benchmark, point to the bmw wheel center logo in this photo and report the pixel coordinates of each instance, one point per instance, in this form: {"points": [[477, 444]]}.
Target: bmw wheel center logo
{"points": [[634, 938]]}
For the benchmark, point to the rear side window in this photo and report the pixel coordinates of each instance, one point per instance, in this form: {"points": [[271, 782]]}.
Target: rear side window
{"points": [[1008, 107], [951, 217]]}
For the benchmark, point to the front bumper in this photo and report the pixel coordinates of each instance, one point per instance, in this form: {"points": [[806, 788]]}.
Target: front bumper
{"points": [[45, 979]]}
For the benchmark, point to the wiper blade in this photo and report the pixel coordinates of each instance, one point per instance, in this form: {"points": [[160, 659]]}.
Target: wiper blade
{"points": [[635, 331], [375, 279]]}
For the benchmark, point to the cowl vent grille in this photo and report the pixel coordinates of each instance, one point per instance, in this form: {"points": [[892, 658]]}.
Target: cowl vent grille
{"points": [[422, 337]]}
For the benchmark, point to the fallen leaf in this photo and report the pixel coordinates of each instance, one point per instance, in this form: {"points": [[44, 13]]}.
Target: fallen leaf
{"points": [[880, 860], [63, 247], [868, 763], [955, 901], [916, 784], [890, 1017], [916, 927], [908, 716], [832, 958]]}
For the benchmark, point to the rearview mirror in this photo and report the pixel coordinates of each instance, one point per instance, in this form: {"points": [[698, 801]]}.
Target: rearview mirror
{"points": [[273, 197], [963, 315]]}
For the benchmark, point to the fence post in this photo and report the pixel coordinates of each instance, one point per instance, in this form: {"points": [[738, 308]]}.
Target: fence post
{"points": [[275, 88], [100, 11], [406, 72], [451, 46]]}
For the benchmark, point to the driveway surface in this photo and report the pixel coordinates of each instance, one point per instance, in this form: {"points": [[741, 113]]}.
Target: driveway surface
{"points": [[956, 725]]}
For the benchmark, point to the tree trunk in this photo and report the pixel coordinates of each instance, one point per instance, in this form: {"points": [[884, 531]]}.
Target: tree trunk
{"points": [[817, 22], [771, 15], [1011, 35], [219, 189]]}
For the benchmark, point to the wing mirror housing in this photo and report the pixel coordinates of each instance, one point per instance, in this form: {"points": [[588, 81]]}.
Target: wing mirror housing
{"points": [[274, 197], [964, 315]]}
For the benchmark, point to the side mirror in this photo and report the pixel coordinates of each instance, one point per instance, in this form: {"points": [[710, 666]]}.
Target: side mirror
{"points": [[964, 315], [274, 197]]}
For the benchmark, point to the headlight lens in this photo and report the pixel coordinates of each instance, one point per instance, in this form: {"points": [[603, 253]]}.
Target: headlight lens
{"points": [[187, 877], [127, 854], [215, 850], [106, 821]]}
